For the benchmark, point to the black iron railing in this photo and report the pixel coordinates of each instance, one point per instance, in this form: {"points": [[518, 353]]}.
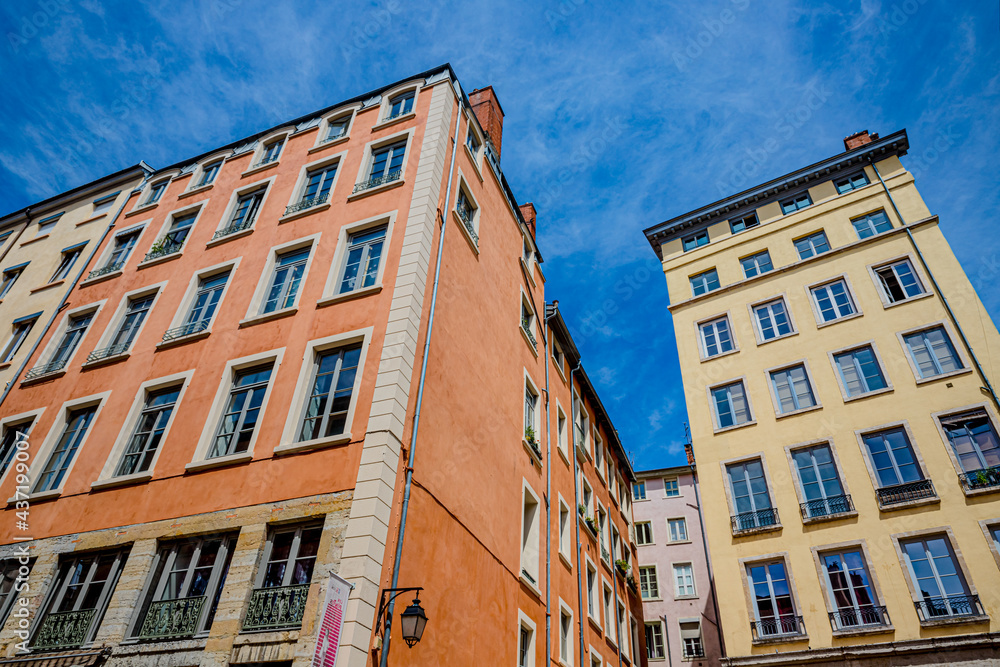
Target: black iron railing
{"points": [[985, 478], [45, 369], [821, 507], [377, 181], [526, 327], [692, 649], [777, 628], [277, 607], [465, 215], [105, 270], [901, 493], [185, 330], [64, 629], [861, 617], [748, 522], [527, 575], [165, 246], [266, 160], [334, 137], [233, 229], [172, 618], [931, 609], [106, 352], [307, 203]]}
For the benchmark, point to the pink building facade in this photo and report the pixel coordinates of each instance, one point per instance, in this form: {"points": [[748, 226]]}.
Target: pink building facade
{"points": [[674, 570]]}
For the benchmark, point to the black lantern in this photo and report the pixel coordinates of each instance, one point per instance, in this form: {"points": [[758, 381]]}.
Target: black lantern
{"points": [[412, 621]]}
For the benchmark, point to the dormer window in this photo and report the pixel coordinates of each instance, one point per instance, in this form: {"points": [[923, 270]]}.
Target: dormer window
{"points": [[796, 203], [271, 152], [155, 192], [209, 172], [337, 128], [401, 104]]}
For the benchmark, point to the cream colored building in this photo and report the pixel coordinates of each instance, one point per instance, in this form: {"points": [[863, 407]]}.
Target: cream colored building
{"points": [[839, 374]]}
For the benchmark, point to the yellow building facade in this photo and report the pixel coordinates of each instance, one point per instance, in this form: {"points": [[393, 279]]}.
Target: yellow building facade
{"points": [[838, 371]]}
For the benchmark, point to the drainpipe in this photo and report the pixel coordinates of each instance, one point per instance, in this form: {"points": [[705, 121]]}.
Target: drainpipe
{"points": [[548, 498], [944, 299], [666, 640], [580, 568], [72, 285], [387, 635], [708, 562]]}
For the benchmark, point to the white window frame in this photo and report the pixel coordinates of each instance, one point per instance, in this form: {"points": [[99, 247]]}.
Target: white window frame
{"points": [[197, 209], [118, 318], [607, 608], [716, 423], [670, 532], [960, 352], [283, 134], [330, 294], [918, 274], [883, 369], [475, 235], [773, 389], [195, 184], [34, 416], [656, 581], [812, 247], [350, 113], [658, 623], [638, 531], [416, 85], [530, 537], [594, 598], [187, 302], [339, 159], [756, 256], [562, 434], [525, 622], [147, 191], [368, 157], [254, 314], [138, 228], [757, 331], [566, 653], [565, 531], [477, 157], [814, 301], [55, 432], [712, 321], [694, 584], [226, 220], [644, 495], [94, 309]]}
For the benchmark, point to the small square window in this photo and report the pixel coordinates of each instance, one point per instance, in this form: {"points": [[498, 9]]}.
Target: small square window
{"points": [[705, 282], [639, 490], [852, 182], [670, 487], [871, 224], [738, 225], [833, 301], [754, 265], [401, 104], [796, 203], [772, 320], [209, 172], [696, 240], [814, 244]]}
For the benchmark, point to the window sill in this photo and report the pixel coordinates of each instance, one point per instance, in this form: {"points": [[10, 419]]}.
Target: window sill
{"points": [[535, 456], [969, 493], [565, 561], [596, 623], [47, 286], [142, 208], [124, 480], [309, 445], [99, 279], [845, 318], [304, 212], [193, 191], [394, 121], [859, 632], [678, 542], [685, 597], [275, 315], [34, 240], [773, 528], [160, 260], [36, 497], [955, 620], [910, 503], [892, 304], [218, 462], [106, 360], [259, 168], [563, 455], [377, 189], [230, 237], [527, 270], [4, 366], [348, 296], [90, 220], [877, 392], [530, 586], [727, 429], [720, 354], [829, 517], [43, 378], [800, 411], [960, 371], [781, 639], [327, 144], [532, 346], [473, 244], [777, 338], [183, 339]]}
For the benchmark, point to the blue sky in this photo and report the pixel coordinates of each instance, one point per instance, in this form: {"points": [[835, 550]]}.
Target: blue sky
{"points": [[618, 117]]}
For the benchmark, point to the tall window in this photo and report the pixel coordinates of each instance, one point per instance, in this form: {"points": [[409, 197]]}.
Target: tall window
{"points": [[691, 637], [715, 337], [754, 265], [317, 186], [647, 582], [119, 254], [242, 411], [976, 446], [772, 320], [69, 257], [850, 590], [796, 203], [643, 533], [859, 371], [639, 490], [792, 389], [22, 327], [871, 224], [852, 182], [730, 403], [893, 460], [774, 613], [814, 244], [705, 282], [186, 585], [530, 416], [135, 315], [741, 224], [654, 641], [387, 162], [206, 300], [10, 276], [173, 240], [530, 537], [247, 207], [271, 151], [820, 482], [466, 211], [12, 435], [695, 240], [155, 192], [472, 143], [934, 571], [524, 657], [833, 301], [337, 127], [76, 327], [286, 278], [592, 593], [329, 399], [401, 104], [899, 281], [684, 580], [361, 260], [10, 571], [565, 521], [750, 496], [670, 487], [148, 431], [77, 424], [678, 530], [932, 352], [282, 582], [209, 172], [566, 637]]}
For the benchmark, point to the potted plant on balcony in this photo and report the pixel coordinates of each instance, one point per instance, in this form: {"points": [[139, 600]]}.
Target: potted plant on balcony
{"points": [[529, 437], [622, 566], [630, 581], [582, 510], [591, 523]]}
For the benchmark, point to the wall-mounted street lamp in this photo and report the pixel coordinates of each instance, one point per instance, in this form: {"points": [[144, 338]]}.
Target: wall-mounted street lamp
{"points": [[412, 620]]}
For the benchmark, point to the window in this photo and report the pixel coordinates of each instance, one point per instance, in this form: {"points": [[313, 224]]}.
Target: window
{"points": [[361, 260], [79, 595], [678, 530], [859, 371], [602, 532], [69, 257], [833, 301], [209, 172], [558, 356], [792, 389], [271, 152], [975, 443], [643, 533], [671, 488], [286, 278], [12, 435], [242, 411], [401, 104], [387, 163], [10, 276], [155, 192], [467, 213], [22, 327], [705, 282], [206, 300], [598, 455], [852, 182], [11, 583], [820, 482], [814, 244], [730, 403], [896, 468], [148, 431], [124, 243], [526, 646], [565, 523], [46, 225], [329, 399], [247, 207], [184, 591], [528, 321], [530, 415], [471, 142], [609, 613], [774, 611], [135, 315], [639, 490], [562, 434], [738, 225], [796, 203], [620, 633], [654, 641], [104, 204], [850, 590], [899, 281], [936, 574], [316, 189], [695, 240], [772, 320], [282, 582], [565, 636], [932, 352], [75, 430], [692, 646], [751, 497], [529, 536], [871, 224], [76, 327], [592, 593], [754, 265], [684, 580], [337, 127], [173, 240]]}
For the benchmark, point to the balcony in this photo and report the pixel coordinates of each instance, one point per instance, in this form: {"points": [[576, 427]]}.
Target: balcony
{"points": [[952, 606], [752, 522], [904, 493], [693, 652], [861, 618], [45, 369], [822, 508], [276, 608], [165, 246], [185, 330], [334, 137], [777, 629], [526, 328], [307, 203], [377, 181], [107, 352], [981, 480], [65, 629], [172, 619], [466, 214], [266, 160], [105, 270], [233, 229]]}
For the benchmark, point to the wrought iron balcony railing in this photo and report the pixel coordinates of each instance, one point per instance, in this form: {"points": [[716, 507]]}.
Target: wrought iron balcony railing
{"points": [[901, 493], [45, 369], [64, 629], [932, 609], [466, 216], [165, 246], [172, 618], [307, 203], [748, 522], [106, 352], [777, 628], [105, 270], [526, 328], [393, 116], [185, 330], [266, 160], [823, 507], [334, 137], [233, 229], [605, 555], [861, 617], [985, 478], [276, 608], [377, 181]]}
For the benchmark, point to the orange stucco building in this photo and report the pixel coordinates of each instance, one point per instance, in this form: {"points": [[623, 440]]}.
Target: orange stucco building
{"points": [[289, 355]]}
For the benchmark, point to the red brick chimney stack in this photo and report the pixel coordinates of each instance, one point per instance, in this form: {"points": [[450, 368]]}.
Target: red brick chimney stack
{"points": [[487, 109], [530, 216], [689, 451], [859, 139]]}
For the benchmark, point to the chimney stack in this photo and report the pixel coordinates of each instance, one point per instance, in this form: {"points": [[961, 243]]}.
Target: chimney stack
{"points": [[487, 109], [530, 215], [858, 139], [689, 450]]}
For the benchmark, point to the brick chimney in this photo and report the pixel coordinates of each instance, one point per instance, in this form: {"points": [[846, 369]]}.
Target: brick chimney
{"points": [[689, 450], [859, 139], [487, 109], [530, 215]]}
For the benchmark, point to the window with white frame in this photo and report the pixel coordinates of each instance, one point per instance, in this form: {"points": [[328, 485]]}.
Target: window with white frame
{"points": [[203, 306], [386, 165], [602, 532], [565, 526], [242, 411], [754, 265], [565, 634], [466, 209], [400, 104], [859, 371], [621, 635], [124, 243], [244, 213], [13, 434], [895, 464], [639, 490], [599, 455], [148, 431], [730, 405], [21, 328], [792, 389], [934, 570], [173, 239], [678, 529], [898, 281], [869, 225], [331, 388], [852, 182], [704, 282], [337, 127], [472, 142], [609, 611], [750, 495], [715, 337], [156, 192], [270, 152], [643, 533], [525, 642], [46, 225], [209, 172], [592, 594], [136, 310], [774, 611], [812, 245], [671, 487], [66, 262], [316, 188], [586, 495], [932, 352], [531, 433], [527, 320], [74, 330], [819, 481], [654, 641], [530, 519], [362, 259], [648, 584], [772, 320], [691, 644], [281, 585], [974, 440], [833, 301], [684, 580], [562, 431], [850, 591], [74, 431], [286, 279]]}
